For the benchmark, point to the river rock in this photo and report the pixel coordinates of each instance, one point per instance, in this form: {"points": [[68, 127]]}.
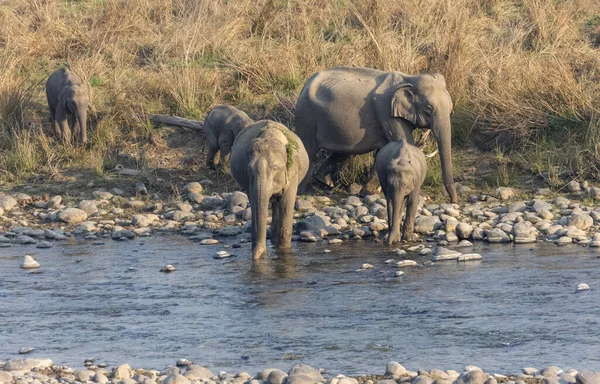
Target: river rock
{"points": [[23, 239], [44, 244], [552, 371], [441, 253], [72, 216], [26, 364], [169, 268], [580, 221], [301, 379], [276, 377], [84, 375], [421, 379], [469, 257], [464, 230], [54, 202], [496, 235], [504, 193], [29, 263], [193, 187], [176, 378], [122, 372], [406, 263], [564, 240], [426, 224], [305, 370], [197, 372], [582, 287], [5, 377], [7, 203], [302, 205], [588, 377], [212, 202], [574, 186], [395, 370], [88, 206], [472, 377], [313, 223], [238, 199]]}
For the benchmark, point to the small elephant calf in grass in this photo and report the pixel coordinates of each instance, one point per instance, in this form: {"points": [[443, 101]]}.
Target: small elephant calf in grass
{"points": [[68, 100], [222, 124], [401, 168], [269, 161]]}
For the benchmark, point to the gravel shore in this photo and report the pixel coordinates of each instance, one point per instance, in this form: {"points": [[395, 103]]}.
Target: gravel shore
{"points": [[38, 371]]}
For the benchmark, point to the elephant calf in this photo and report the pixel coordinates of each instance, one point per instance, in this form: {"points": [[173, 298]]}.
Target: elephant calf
{"points": [[269, 161], [401, 168], [222, 124], [68, 99]]}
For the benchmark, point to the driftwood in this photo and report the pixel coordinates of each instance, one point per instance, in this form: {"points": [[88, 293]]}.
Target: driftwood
{"points": [[177, 122]]}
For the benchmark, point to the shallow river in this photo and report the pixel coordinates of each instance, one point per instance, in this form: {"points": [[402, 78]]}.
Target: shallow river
{"points": [[515, 308]]}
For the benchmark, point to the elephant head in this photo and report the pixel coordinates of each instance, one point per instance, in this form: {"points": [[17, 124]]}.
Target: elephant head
{"points": [[425, 102], [74, 100]]}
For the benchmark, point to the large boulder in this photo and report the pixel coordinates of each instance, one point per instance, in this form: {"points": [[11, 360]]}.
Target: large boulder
{"points": [[197, 372], [238, 199], [426, 224], [588, 377], [312, 224], [72, 216], [276, 377], [580, 221], [176, 378], [472, 377]]}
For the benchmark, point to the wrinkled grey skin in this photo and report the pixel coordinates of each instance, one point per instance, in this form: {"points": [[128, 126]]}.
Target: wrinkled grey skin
{"points": [[222, 124], [259, 164], [357, 110], [68, 100], [401, 168]]}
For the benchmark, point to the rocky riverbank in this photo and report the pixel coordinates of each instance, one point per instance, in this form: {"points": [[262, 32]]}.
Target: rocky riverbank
{"points": [[500, 217], [41, 371]]}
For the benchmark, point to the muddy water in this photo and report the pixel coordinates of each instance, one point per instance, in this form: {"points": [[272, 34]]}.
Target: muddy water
{"points": [[515, 308]]}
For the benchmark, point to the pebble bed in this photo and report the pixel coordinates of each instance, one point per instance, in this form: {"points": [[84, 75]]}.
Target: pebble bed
{"points": [[38, 371]]}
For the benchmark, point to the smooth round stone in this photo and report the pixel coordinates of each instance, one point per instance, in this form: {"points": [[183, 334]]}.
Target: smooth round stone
{"points": [[398, 273], [582, 287], [425, 252], [394, 370], [29, 263], [26, 350], [209, 242], [564, 240], [406, 263], [222, 255], [469, 257], [169, 268], [441, 253], [366, 266], [44, 244], [335, 241]]}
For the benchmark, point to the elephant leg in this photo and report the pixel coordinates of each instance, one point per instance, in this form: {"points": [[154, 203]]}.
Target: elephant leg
{"points": [[64, 128], [259, 202], [285, 219], [330, 166], [396, 195], [54, 123], [276, 221], [211, 158], [408, 232], [72, 121], [311, 149], [224, 156]]}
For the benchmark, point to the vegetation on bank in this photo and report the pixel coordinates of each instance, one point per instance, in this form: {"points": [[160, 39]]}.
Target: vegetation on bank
{"points": [[524, 75]]}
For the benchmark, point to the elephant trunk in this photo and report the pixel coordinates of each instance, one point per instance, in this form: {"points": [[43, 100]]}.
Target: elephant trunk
{"points": [[442, 131], [81, 116], [396, 219], [259, 202]]}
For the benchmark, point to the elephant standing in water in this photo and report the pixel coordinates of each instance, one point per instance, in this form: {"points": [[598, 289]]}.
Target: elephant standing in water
{"points": [[352, 111], [401, 168], [68, 100], [269, 161], [222, 124]]}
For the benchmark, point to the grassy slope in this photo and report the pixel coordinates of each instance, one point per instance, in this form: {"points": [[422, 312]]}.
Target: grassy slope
{"points": [[524, 75]]}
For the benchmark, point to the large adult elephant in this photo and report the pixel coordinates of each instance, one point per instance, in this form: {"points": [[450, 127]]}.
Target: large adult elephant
{"points": [[357, 110], [269, 161]]}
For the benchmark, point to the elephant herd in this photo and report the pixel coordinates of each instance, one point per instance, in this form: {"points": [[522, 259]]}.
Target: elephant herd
{"points": [[345, 110]]}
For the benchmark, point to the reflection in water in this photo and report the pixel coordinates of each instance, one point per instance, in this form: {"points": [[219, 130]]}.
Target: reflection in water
{"points": [[516, 307]]}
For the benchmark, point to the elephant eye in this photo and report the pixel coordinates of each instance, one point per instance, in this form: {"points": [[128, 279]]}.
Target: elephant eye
{"points": [[429, 109]]}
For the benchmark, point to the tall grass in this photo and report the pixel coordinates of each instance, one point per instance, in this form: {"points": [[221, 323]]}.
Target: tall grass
{"points": [[518, 71]]}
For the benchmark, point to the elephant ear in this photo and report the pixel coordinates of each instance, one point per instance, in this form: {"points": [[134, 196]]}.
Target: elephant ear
{"points": [[403, 103]]}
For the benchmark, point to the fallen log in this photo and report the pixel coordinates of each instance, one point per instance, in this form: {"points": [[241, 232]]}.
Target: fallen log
{"points": [[177, 122]]}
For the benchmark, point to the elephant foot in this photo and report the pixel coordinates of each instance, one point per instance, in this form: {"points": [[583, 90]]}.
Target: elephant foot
{"points": [[410, 237], [258, 251], [392, 238]]}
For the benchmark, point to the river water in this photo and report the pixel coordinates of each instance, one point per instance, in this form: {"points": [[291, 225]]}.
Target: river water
{"points": [[109, 301]]}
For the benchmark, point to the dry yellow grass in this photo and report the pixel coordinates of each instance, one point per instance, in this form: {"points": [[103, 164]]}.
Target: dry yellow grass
{"points": [[518, 71]]}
